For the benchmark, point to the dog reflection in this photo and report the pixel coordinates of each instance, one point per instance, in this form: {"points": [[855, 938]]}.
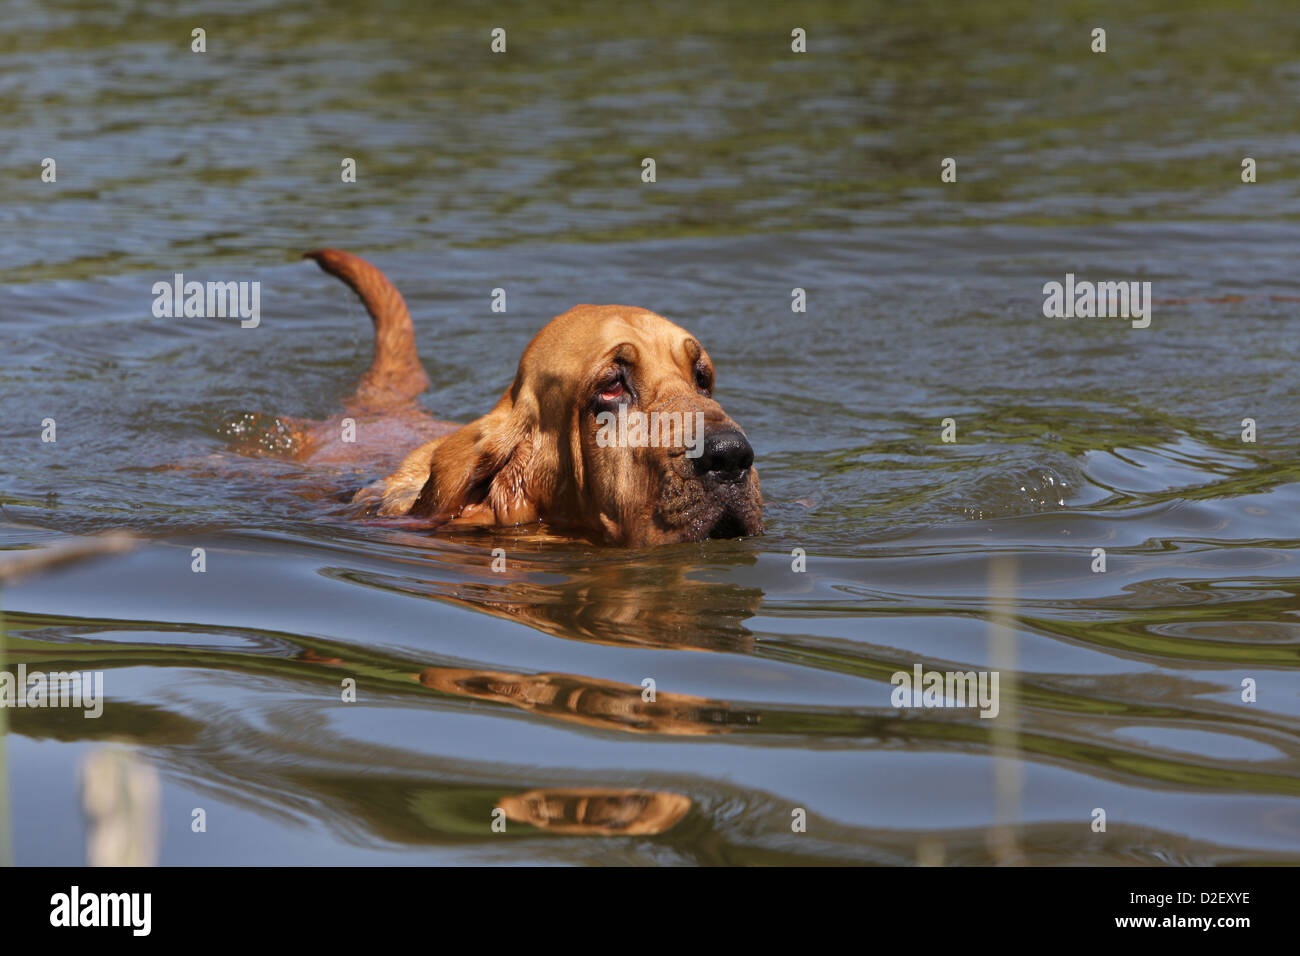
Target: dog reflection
{"points": [[659, 602], [602, 704], [596, 811]]}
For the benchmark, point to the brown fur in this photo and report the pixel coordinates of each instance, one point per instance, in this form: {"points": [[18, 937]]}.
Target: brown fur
{"points": [[534, 456]]}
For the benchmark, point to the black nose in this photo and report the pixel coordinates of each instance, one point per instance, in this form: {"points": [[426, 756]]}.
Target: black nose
{"points": [[726, 453]]}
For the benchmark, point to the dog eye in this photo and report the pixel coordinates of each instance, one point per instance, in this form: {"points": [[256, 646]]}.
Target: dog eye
{"points": [[613, 388]]}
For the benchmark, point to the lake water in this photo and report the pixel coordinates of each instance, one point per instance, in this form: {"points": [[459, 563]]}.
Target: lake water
{"points": [[1121, 690]]}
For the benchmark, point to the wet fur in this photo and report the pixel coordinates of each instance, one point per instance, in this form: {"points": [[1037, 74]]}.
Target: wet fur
{"points": [[534, 456]]}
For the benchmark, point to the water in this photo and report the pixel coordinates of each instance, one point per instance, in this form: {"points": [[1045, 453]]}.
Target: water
{"points": [[1121, 690]]}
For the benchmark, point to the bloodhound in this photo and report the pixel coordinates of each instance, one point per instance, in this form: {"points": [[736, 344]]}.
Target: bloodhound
{"points": [[609, 430]]}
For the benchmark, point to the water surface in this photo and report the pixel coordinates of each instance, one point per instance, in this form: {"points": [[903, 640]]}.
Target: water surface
{"points": [[1121, 690]]}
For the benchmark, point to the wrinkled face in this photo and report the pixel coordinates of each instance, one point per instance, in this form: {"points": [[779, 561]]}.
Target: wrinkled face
{"points": [[609, 428], [655, 457]]}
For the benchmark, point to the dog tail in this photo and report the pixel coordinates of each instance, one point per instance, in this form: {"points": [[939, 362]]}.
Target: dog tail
{"points": [[395, 374]]}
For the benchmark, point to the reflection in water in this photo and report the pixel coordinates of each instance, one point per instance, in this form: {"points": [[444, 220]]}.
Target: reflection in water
{"points": [[260, 726], [595, 703], [656, 598], [120, 794], [591, 810]]}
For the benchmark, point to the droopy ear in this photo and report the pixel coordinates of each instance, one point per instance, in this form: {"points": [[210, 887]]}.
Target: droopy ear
{"points": [[487, 472]]}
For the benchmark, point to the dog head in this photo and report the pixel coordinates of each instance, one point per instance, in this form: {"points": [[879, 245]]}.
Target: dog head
{"points": [[609, 426]]}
